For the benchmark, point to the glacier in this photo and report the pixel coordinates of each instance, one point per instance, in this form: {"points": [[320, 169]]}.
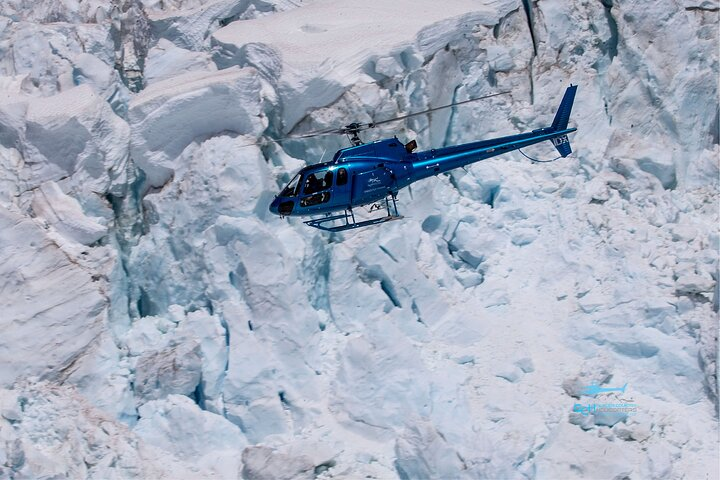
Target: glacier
{"points": [[159, 322]]}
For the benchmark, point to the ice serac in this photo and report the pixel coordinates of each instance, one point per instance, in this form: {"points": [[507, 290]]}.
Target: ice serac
{"points": [[422, 452], [65, 215], [262, 463], [167, 60], [73, 138], [169, 115], [46, 327], [84, 441], [309, 75], [178, 426], [189, 25], [179, 353]]}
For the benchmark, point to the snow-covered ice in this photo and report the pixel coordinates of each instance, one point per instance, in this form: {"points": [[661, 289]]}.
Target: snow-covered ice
{"points": [[159, 322]]}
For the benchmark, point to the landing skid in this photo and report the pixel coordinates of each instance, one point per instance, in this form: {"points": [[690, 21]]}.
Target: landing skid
{"points": [[347, 219]]}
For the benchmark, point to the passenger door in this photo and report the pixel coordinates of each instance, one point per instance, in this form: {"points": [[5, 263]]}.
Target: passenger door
{"points": [[371, 186]]}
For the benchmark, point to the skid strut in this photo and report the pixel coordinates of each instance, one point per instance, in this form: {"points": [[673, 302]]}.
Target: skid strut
{"points": [[347, 218]]}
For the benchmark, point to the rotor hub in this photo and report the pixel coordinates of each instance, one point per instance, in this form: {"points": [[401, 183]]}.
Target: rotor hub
{"points": [[352, 131]]}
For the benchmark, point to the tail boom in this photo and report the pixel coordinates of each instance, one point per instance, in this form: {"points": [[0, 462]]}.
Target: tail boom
{"points": [[433, 162]]}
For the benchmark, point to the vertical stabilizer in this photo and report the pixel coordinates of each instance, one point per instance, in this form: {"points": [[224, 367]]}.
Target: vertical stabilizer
{"points": [[562, 144], [563, 114]]}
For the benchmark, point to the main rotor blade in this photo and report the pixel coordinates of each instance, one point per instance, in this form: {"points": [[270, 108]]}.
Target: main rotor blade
{"points": [[330, 131], [374, 124], [317, 133], [358, 127], [265, 139]]}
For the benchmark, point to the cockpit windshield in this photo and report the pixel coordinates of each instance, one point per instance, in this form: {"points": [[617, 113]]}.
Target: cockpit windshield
{"points": [[293, 188]]}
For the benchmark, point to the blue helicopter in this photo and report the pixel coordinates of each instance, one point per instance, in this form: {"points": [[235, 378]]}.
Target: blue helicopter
{"points": [[374, 173]]}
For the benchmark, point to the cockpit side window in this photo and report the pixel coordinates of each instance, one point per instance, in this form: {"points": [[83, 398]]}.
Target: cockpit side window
{"points": [[317, 181], [293, 188], [342, 177]]}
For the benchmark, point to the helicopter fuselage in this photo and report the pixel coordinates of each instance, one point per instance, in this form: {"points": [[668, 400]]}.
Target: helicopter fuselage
{"points": [[369, 173]]}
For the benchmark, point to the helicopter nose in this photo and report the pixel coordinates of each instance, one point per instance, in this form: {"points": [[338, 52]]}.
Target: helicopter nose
{"points": [[282, 206], [274, 206]]}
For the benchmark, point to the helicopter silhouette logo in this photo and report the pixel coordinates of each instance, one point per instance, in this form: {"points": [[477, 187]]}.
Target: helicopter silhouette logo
{"points": [[373, 181], [595, 389]]}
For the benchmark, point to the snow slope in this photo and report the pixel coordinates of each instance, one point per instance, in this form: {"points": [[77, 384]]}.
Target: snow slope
{"points": [[159, 322]]}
